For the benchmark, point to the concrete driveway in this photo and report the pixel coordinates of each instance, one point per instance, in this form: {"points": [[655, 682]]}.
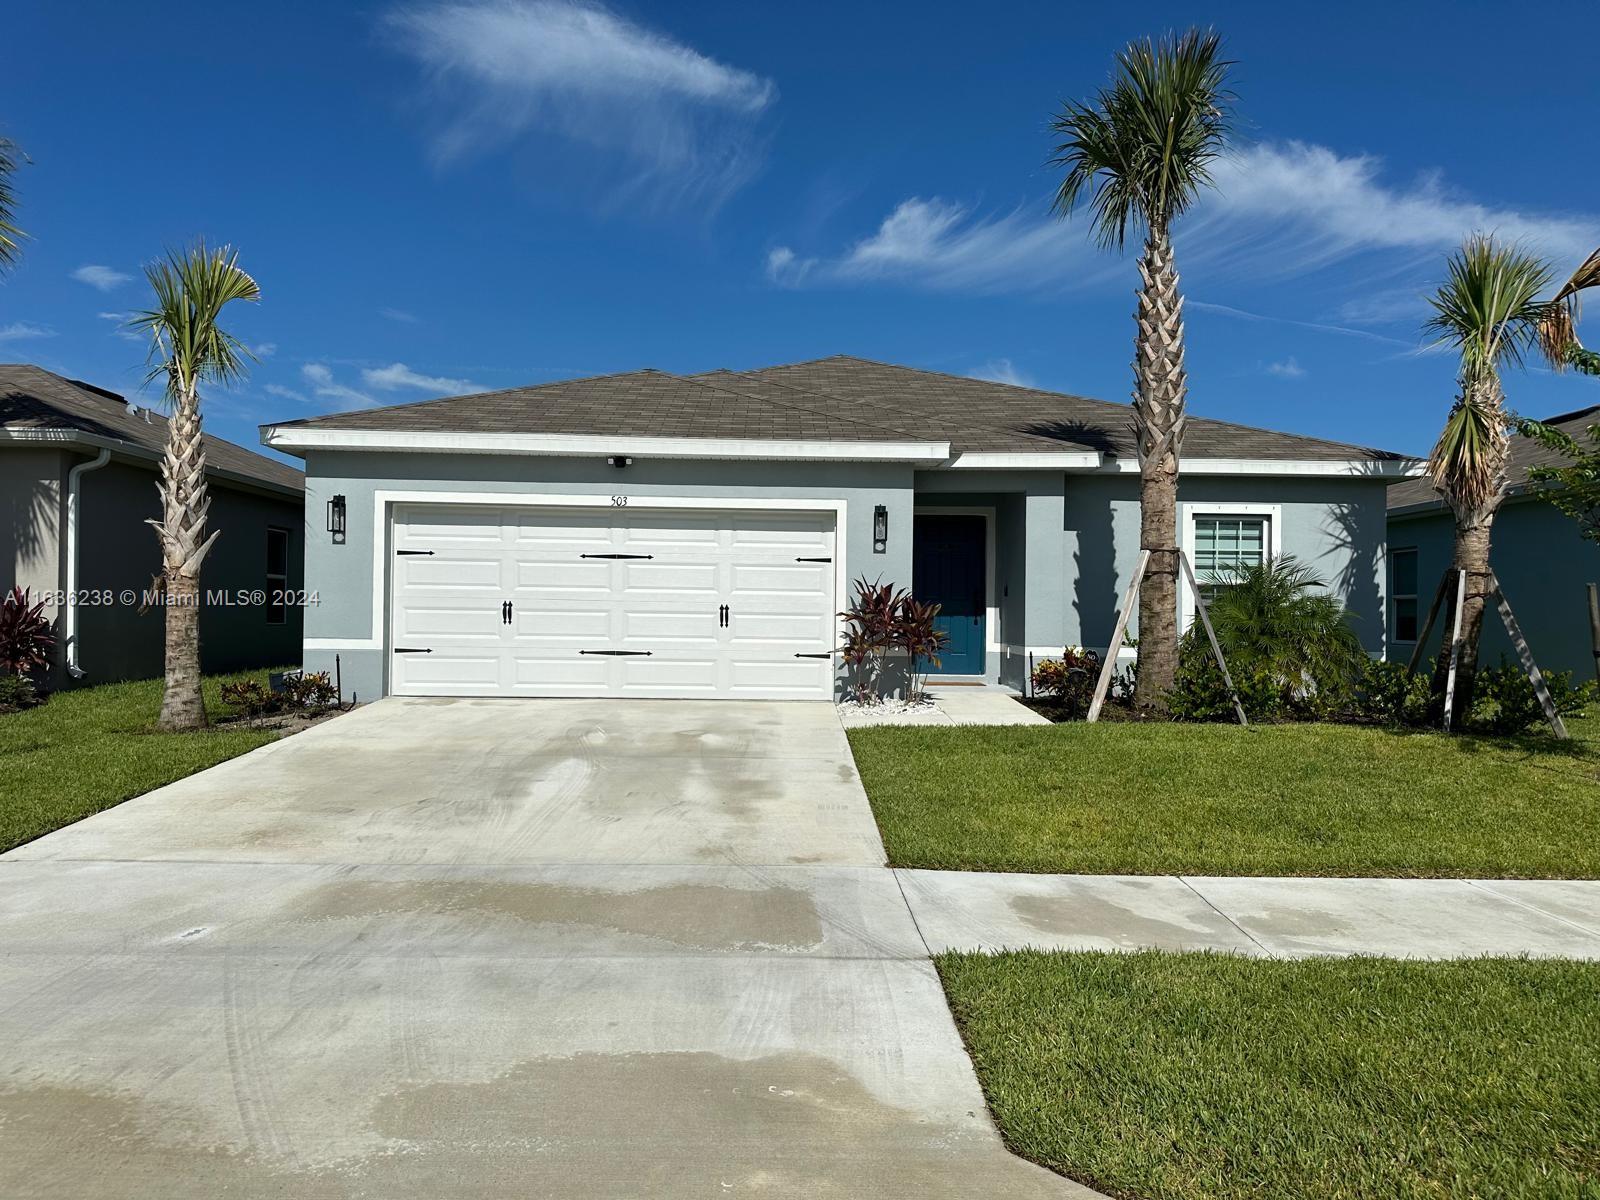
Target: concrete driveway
{"points": [[588, 949]]}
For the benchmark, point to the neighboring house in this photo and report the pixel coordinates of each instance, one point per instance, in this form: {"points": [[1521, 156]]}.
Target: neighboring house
{"points": [[647, 534], [78, 472], [1544, 566]]}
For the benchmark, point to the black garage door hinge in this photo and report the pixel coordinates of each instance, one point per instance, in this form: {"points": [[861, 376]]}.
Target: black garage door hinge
{"points": [[428, 552], [616, 556], [813, 560], [618, 653], [411, 650]]}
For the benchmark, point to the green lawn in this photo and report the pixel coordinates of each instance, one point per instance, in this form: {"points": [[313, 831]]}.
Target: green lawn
{"points": [[89, 749], [1179, 1076], [1220, 800]]}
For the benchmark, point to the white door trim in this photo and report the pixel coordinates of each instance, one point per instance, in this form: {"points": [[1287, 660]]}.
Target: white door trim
{"points": [[991, 601], [385, 502]]}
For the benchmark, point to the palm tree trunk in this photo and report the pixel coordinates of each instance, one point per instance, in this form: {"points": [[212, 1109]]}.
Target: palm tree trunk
{"points": [[1473, 526], [182, 532], [1158, 421]]}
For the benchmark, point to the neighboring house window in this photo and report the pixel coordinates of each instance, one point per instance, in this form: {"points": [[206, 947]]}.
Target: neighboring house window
{"points": [[1403, 594], [277, 575], [1225, 541]]}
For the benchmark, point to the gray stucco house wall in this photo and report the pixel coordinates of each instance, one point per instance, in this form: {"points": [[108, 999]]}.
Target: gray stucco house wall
{"points": [[1043, 484], [50, 425]]}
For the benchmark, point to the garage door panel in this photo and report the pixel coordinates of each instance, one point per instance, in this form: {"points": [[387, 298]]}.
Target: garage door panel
{"points": [[665, 610]]}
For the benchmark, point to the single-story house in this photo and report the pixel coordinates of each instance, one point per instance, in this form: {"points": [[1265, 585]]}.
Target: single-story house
{"points": [[649, 534], [78, 471], [1543, 563]]}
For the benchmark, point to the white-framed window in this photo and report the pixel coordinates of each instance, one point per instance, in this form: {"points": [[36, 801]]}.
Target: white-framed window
{"points": [[1220, 537], [277, 575], [1403, 594]]}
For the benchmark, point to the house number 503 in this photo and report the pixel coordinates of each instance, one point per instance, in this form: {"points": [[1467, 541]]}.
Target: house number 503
{"points": [[619, 502]]}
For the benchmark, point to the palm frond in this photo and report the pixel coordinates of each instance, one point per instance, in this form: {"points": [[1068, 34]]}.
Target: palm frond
{"points": [[1141, 150], [10, 236], [1467, 460], [187, 345], [1558, 328], [1488, 309]]}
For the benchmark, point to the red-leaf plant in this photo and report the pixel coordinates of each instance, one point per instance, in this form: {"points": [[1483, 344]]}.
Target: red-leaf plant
{"points": [[915, 634], [882, 618], [25, 637]]}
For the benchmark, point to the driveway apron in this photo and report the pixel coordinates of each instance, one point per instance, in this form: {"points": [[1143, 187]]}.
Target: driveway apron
{"points": [[476, 948]]}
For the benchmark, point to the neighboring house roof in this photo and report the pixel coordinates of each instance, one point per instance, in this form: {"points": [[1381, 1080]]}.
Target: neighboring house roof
{"points": [[1525, 454], [38, 406], [876, 409]]}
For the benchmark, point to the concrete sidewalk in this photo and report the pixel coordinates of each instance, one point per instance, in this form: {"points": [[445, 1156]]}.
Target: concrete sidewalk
{"points": [[1279, 918]]}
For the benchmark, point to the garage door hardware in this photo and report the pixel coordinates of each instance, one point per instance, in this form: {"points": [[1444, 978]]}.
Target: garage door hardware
{"points": [[824, 654], [619, 653], [505, 613], [410, 650], [427, 552], [813, 560], [722, 616], [616, 556]]}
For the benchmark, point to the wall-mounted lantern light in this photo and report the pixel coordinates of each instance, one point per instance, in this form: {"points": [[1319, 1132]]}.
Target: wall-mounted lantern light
{"points": [[336, 519], [880, 529]]}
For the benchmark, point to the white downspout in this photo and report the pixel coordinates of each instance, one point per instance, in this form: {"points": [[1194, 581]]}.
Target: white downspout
{"points": [[69, 619]]}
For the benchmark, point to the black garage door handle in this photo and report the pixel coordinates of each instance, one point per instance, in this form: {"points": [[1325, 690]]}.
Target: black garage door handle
{"points": [[619, 653]]}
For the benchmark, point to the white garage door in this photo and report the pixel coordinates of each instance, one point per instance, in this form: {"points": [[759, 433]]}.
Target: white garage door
{"points": [[611, 602]]}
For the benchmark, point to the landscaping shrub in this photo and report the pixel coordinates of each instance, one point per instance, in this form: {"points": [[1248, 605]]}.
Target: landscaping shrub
{"points": [[25, 636], [882, 618], [17, 693], [306, 693], [1504, 701], [1386, 695], [1068, 682], [1201, 695]]}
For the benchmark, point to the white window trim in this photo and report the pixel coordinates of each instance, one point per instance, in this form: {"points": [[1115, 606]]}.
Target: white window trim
{"points": [[384, 503], [1186, 515], [991, 602]]}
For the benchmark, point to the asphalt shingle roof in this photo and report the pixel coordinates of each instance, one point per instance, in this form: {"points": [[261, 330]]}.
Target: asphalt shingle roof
{"points": [[1524, 455], [32, 398], [830, 399]]}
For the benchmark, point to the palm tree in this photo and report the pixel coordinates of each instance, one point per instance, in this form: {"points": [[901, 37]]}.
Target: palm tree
{"points": [[1488, 309], [1139, 154], [1558, 329], [188, 348], [10, 236]]}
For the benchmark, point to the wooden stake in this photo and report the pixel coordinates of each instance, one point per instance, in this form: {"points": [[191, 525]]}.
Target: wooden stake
{"points": [[1525, 653], [1455, 648], [1108, 668], [1426, 631], [1211, 635], [1594, 627]]}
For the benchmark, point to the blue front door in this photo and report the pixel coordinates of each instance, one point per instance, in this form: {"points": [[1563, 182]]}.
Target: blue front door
{"points": [[947, 569]]}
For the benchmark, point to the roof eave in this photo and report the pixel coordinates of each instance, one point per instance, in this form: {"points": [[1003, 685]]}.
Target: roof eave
{"points": [[298, 440], [1372, 468], [143, 454]]}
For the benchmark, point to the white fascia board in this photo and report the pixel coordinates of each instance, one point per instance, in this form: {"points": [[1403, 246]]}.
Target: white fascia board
{"points": [[296, 438], [1403, 468], [137, 453], [1069, 460]]}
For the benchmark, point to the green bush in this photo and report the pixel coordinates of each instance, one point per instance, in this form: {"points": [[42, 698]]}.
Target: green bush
{"points": [[1385, 695], [17, 693], [298, 693], [1504, 702], [1200, 694]]}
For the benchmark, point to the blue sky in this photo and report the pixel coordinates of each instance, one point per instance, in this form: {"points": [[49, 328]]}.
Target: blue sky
{"points": [[440, 197]]}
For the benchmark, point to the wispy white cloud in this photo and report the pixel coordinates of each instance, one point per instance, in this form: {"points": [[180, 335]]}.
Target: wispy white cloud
{"points": [[323, 384], [102, 277], [400, 315], [1289, 368], [22, 330], [1278, 211], [120, 328], [1240, 314], [397, 375], [504, 69], [285, 393], [1001, 370], [264, 349], [1395, 306]]}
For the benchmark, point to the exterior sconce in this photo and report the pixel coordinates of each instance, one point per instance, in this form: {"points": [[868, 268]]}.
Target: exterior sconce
{"points": [[336, 519], [619, 461], [880, 529]]}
